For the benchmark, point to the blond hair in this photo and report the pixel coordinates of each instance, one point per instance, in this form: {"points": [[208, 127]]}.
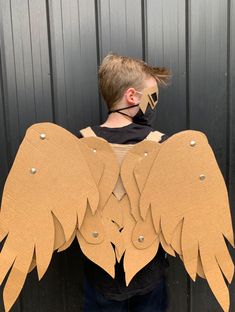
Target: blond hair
{"points": [[118, 73]]}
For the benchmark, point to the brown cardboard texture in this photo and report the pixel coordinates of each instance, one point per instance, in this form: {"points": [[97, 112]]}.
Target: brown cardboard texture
{"points": [[149, 97], [133, 196], [42, 184]]}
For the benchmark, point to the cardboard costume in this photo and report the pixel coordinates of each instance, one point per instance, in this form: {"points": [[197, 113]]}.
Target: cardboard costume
{"points": [[134, 196]]}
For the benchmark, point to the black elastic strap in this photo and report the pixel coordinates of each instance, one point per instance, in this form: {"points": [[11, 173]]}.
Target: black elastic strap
{"points": [[119, 109], [122, 113]]}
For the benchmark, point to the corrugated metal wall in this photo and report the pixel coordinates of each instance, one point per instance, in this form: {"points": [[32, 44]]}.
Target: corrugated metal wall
{"points": [[49, 55]]}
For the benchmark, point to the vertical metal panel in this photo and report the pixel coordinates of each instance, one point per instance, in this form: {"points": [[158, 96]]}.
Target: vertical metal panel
{"points": [[49, 56], [3, 143], [40, 60], [4, 161], [74, 63], [25, 67], [120, 30], [208, 72], [120, 27], [166, 46], [9, 77], [207, 98]]}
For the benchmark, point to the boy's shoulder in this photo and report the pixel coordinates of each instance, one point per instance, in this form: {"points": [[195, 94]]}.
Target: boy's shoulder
{"points": [[132, 133], [164, 137], [157, 136]]}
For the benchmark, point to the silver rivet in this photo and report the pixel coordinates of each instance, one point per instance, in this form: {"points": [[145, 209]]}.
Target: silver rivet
{"points": [[145, 154], [192, 143], [33, 170], [94, 150], [95, 234], [141, 239], [42, 136], [202, 177]]}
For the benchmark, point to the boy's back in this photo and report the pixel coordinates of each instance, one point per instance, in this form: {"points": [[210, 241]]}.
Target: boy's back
{"points": [[153, 274], [130, 89]]}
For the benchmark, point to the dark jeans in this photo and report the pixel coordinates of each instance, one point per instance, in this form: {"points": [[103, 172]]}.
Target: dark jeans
{"points": [[154, 301]]}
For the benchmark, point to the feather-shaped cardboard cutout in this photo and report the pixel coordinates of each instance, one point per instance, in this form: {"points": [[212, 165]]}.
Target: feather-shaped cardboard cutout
{"points": [[186, 186], [49, 179], [117, 200]]}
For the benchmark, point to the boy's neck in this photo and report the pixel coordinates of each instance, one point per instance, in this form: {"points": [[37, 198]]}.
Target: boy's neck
{"points": [[116, 120]]}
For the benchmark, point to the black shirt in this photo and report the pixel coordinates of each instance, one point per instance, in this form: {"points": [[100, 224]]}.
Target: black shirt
{"points": [[148, 277]]}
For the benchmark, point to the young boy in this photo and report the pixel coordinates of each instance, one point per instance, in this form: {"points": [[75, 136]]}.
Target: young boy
{"points": [[121, 80]]}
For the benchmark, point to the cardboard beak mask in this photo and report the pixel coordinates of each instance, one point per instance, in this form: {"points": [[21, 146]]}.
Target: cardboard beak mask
{"points": [[149, 97]]}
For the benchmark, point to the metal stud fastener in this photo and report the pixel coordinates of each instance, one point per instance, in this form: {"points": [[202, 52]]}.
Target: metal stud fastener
{"points": [[145, 154], [94, 150], [33, 170], [95, 234], [42, 136], [202, 177], [192, 143], [141, 239]]}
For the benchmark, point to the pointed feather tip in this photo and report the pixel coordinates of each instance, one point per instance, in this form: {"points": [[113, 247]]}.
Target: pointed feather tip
{"points": [[67, 244], [231, 241], [230, 278], [171, 252], [62, 248], [110, 270], [118, 256], [7, 305], [193, 276], [230, 238], [118, 259], [79, 222], [167, 248], [69, 228], [128, 279], [225, 303], [8, 298], [229, 275], [128, 276], [40, 273], [5, 266], [41, 270]]}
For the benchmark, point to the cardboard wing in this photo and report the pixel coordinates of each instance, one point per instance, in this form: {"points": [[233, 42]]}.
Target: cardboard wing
{"points": [[135, 197], [44, 201], [187, 196]]}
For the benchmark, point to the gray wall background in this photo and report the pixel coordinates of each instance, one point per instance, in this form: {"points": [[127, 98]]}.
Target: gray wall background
{"points": [[49, 54]]}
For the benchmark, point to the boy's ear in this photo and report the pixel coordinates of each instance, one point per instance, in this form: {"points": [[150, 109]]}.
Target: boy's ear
{"points": [[130, 93]]}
